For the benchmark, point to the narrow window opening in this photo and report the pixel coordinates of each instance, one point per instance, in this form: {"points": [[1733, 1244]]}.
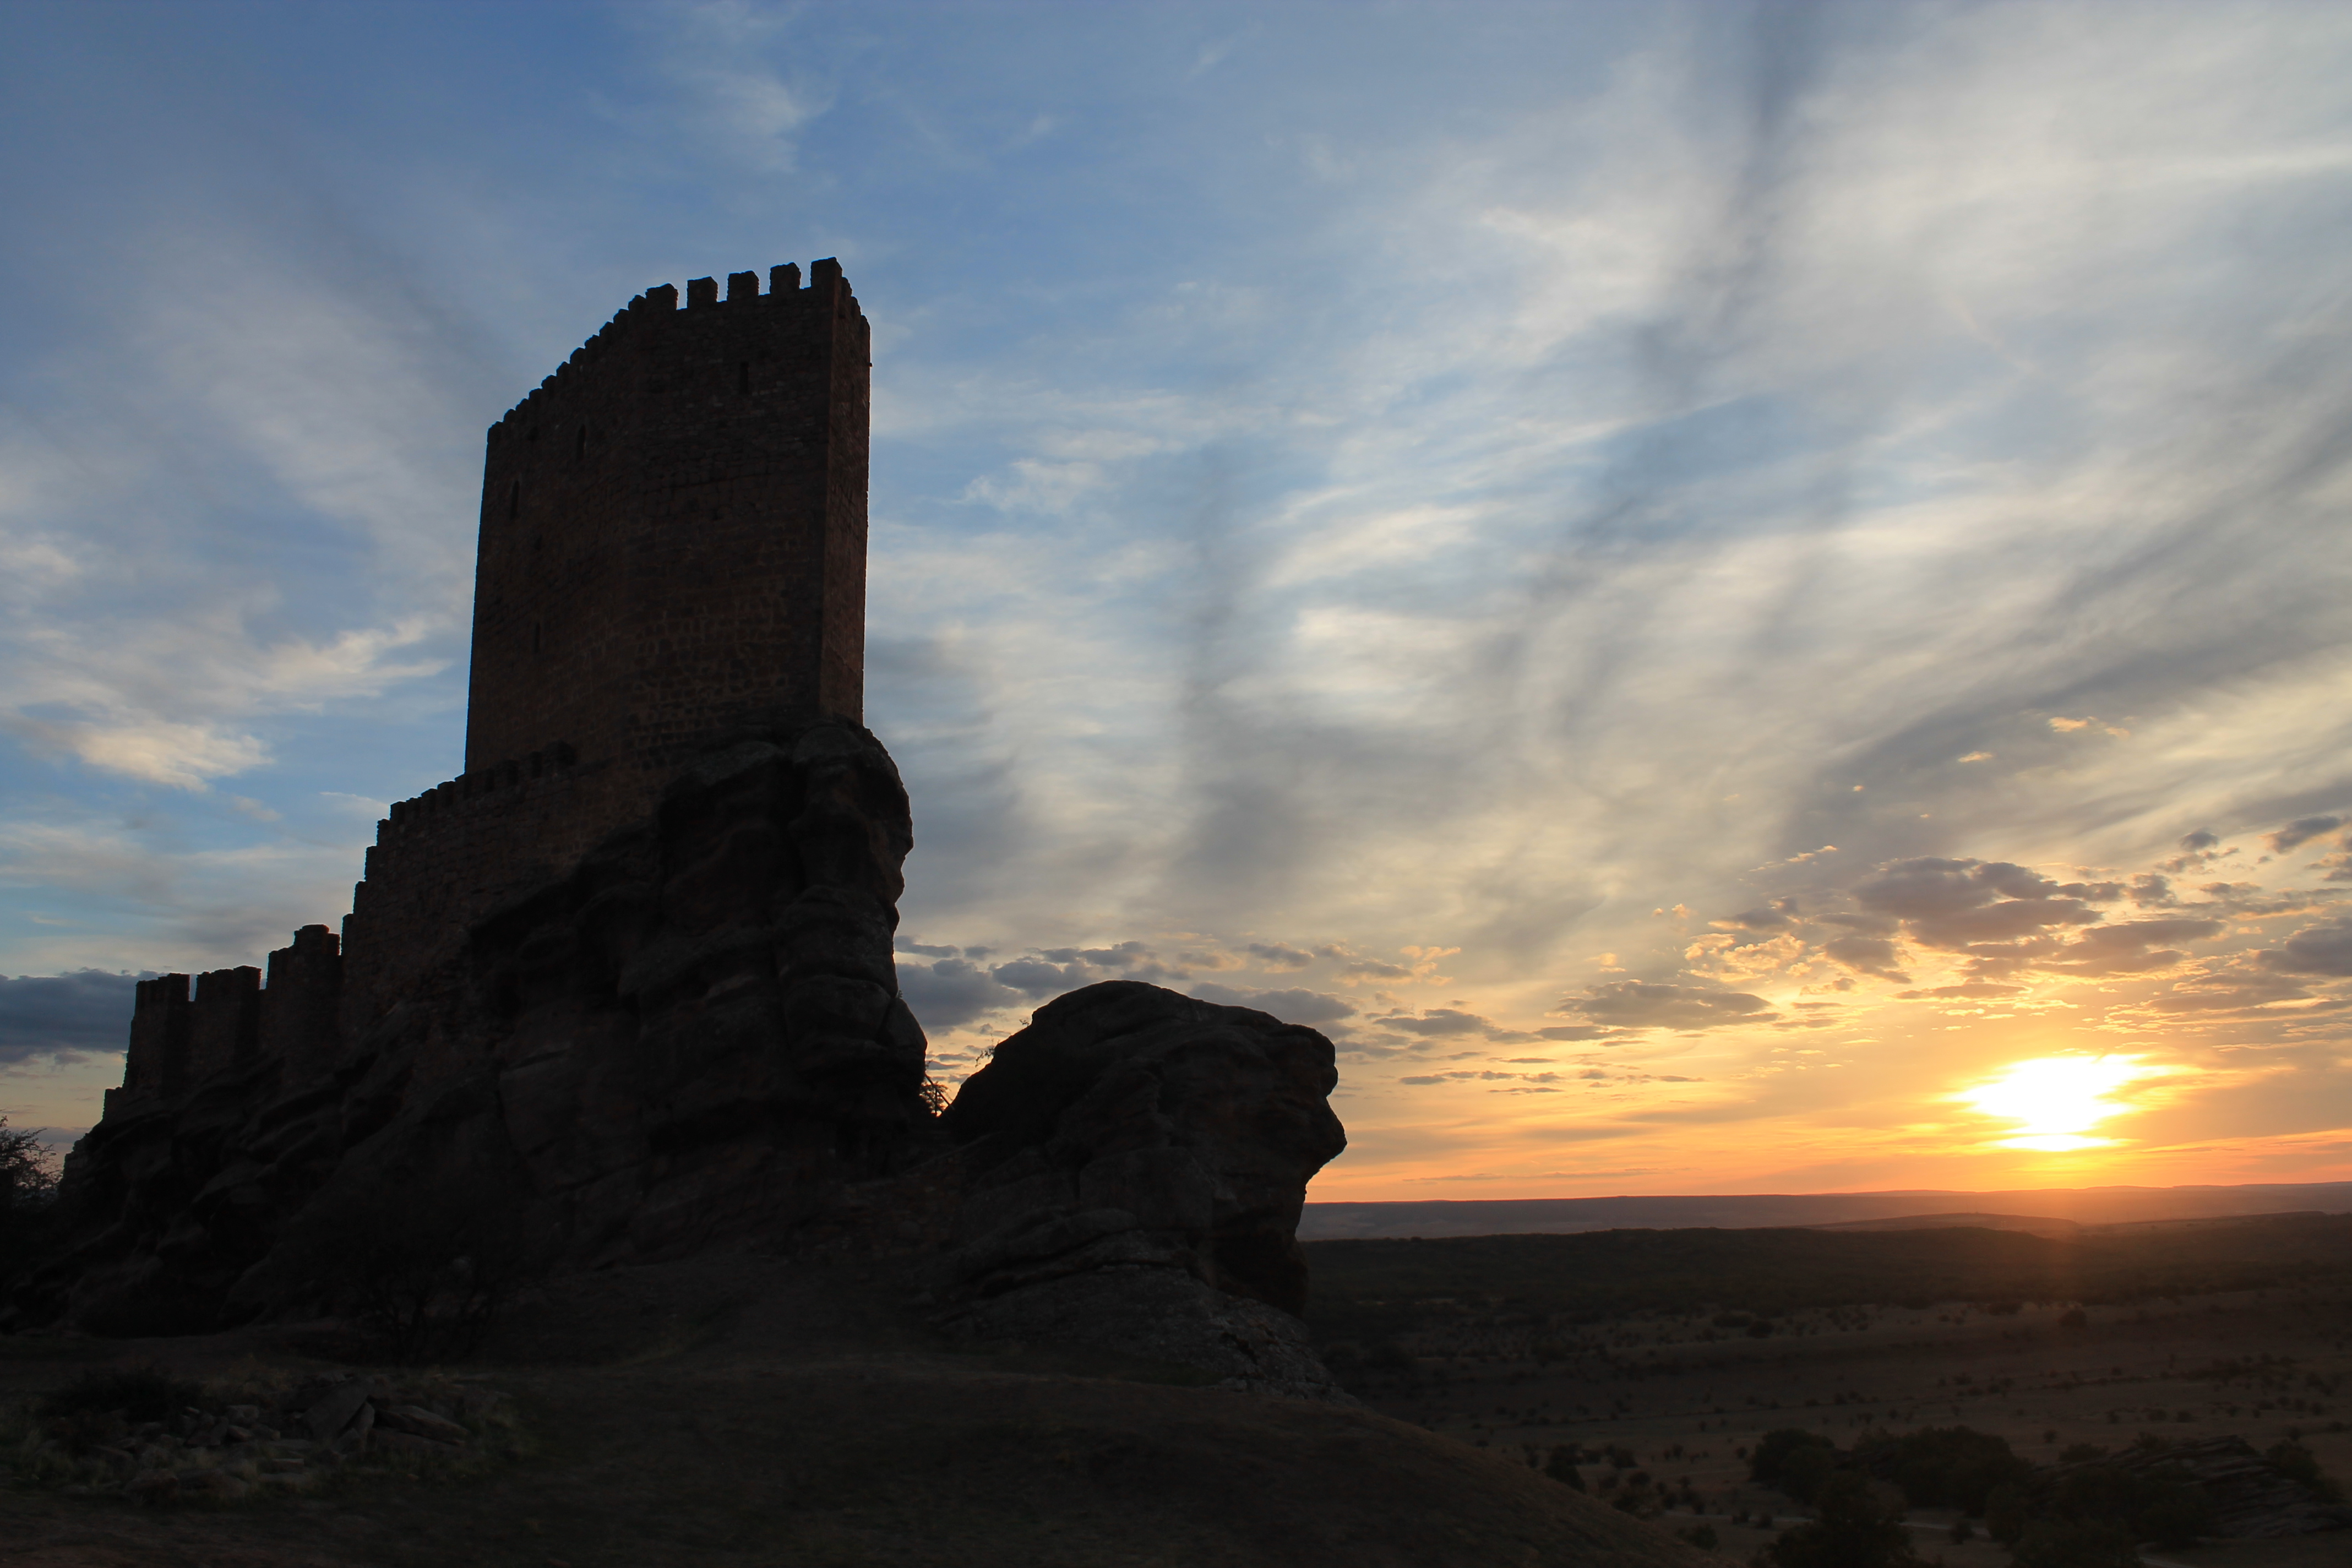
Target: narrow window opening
{"points": [[743, 376], [514, 498], [579, 443], [534, 636]]}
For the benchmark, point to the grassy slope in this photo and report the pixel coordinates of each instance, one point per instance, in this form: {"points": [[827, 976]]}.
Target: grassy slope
{"points": [[749, 1412]]}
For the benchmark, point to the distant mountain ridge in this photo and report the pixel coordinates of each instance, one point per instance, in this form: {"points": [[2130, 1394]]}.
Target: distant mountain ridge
{"points": [[2032, 1224], [2080, 1206]]}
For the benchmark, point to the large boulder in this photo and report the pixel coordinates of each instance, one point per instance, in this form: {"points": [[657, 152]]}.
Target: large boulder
{"points": [[1137, 1163]]}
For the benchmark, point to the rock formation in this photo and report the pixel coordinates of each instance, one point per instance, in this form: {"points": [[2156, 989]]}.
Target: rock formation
{"points": [[1138, 1160], [687, 1040], [2251, 1497]]}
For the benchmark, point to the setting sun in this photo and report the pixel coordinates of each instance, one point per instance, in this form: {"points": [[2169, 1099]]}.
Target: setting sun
{"points": [[2055, 1100]]}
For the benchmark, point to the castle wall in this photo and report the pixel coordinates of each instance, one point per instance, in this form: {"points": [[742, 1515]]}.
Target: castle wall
{"points": [[224, 1023], [673, 535], [158, 1061], [444, 859], [301, 1003]]}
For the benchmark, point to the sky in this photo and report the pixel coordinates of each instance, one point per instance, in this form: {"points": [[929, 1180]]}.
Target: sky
{"points": [[1729, 597]]}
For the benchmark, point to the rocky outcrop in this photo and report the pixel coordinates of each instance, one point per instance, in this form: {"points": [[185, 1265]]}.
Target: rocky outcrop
{"points": [[1136, 1162], [2252, 1498], [692, 1035], [694, 1038]]}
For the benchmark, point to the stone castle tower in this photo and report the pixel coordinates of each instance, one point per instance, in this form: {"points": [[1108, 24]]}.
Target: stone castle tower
{"points": [[672, 548], [673, 529]]}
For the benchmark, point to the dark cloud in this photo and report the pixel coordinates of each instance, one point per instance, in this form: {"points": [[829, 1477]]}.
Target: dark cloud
{"points": [[2315, 950], [1926, 888], [2302, 830], [2233, 991], [1371, 967], [923, 951], [1126, 955], [41, 1015], [1868, 956], [1643, 1005], [1277, 955], [1438, 1021], [951, 992], [1512, 1083], [1035, 977], [2200, 839], [2131, 947], [1292, 1006], [1966, 988], [1576, 1032], [1776, 917], [1052, 971], [1993, 910]]}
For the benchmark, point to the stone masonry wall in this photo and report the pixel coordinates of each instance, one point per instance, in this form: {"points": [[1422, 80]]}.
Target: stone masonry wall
{"points": [[444, 859], [673, 536]]}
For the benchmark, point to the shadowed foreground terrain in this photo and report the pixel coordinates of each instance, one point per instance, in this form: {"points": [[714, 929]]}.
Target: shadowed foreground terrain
{"points": [[748, 1410]]}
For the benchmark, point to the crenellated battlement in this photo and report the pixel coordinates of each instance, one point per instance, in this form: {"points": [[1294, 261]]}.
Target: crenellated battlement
{"points": [[232, 1023], [828, 291], [511, 774], [673, 532]]}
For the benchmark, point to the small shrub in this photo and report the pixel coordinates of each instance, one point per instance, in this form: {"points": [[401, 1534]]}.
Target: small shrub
{"points": [[1936, 1467], [2174, 1513], [1702, 1536], [2293, 1459], [28, 1191], [2073, 1544], [143, 1392], [1775, 1448], [425, 1274], [2004, 1513], [1861, 1526]]}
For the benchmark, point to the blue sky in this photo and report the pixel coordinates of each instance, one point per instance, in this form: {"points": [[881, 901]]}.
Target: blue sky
{"points": [[1702, 586]]}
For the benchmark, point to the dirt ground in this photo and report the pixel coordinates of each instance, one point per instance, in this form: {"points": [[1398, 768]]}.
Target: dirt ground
{"points": [[748, 1411], [1688, 1398]]}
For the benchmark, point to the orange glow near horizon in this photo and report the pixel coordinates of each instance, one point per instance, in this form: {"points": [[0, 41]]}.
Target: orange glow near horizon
{"points": [[2055, 1102]]}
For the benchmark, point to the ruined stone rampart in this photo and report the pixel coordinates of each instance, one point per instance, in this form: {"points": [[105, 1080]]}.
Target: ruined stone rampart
{"points": [[444, 859]]}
